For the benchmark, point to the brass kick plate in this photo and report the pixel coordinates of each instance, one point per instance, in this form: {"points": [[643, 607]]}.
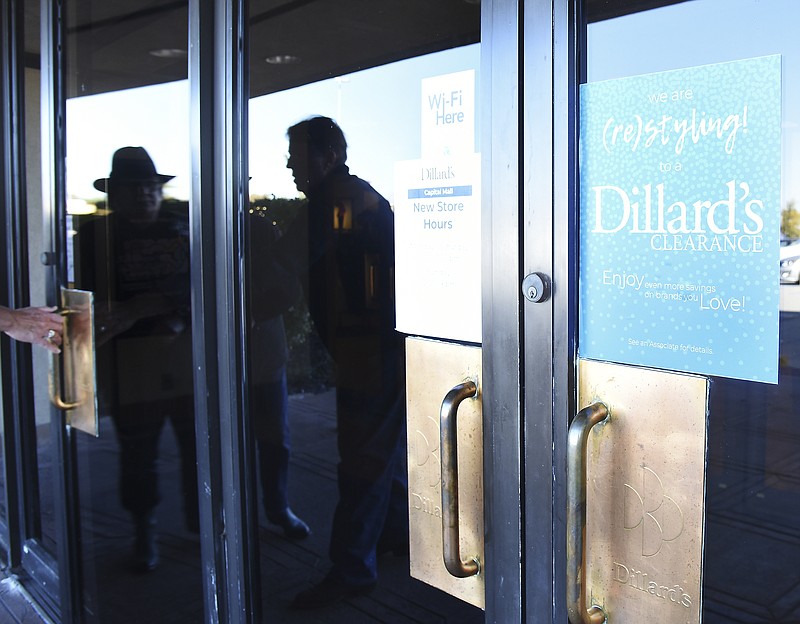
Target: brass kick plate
{"points": [[433, 368], [645, 493]]}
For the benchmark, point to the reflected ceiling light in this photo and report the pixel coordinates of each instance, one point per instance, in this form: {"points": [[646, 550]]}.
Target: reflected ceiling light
{"points": [[168, 53], [80, 207], [282, 59]]}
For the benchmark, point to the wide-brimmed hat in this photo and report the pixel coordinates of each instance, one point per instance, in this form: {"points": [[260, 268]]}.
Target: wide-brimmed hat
{"points": [[131, 164]]}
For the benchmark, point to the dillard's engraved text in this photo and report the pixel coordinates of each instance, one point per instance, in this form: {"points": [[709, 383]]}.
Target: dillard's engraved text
{"points": [[425, 505], [639, 580]]}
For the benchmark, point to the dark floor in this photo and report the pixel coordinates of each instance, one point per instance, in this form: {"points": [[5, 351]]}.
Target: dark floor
{"points": [[16, 605], [292, 566], [752, 535], [173, 593]]}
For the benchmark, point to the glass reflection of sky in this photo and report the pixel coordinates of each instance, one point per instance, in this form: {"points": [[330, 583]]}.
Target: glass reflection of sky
{"points": [[378, 109], [701, 32]]}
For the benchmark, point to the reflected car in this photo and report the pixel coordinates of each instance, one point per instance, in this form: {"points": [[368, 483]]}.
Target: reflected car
{"points": [[790, 263]]}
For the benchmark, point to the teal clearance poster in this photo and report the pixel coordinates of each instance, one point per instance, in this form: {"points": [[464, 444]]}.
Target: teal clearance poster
{"points": [[680, 178]]}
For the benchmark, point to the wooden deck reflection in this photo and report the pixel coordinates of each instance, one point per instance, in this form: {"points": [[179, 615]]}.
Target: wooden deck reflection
{"points": [[173, 593]]}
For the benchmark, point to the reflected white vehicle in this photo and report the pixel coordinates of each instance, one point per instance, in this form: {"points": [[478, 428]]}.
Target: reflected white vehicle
{"points": [[790, 263]]}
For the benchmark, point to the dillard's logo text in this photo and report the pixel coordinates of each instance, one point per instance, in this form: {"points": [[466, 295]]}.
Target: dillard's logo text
{"points": [[639, 580], [735, 217], [437, 173]]}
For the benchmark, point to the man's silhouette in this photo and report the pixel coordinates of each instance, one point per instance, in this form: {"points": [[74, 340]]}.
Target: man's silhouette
{"points": [[347, 275]]}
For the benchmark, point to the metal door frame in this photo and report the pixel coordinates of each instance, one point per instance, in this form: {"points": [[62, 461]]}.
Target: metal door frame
{"points": [[219, 93], [548, 215], [24, 553], [57, 584], [500, 227], [530, 81]]}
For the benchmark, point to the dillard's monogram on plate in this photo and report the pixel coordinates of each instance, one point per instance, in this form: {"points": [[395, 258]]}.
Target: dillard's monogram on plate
{"points": [[425, 453], [648, 510], [658, 518]]}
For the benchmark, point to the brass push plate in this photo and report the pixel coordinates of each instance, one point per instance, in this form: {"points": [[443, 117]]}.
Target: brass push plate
{"points": [[645, 493], [80, 381], [433, 368]]}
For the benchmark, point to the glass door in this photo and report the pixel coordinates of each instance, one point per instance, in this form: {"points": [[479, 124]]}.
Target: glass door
{"points": [[697, 98], [127, 241], [363, 263], [374, 234], [116, 531]]}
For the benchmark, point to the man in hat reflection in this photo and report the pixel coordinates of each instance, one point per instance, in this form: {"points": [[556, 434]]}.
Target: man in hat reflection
{"points": [[135, 259]]}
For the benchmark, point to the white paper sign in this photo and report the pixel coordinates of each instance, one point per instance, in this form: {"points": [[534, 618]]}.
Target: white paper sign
{"points": [[448, 115], [438, 247]]}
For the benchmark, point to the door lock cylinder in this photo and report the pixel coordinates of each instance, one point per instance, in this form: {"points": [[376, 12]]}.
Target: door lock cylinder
{"points": [[536, 287]]}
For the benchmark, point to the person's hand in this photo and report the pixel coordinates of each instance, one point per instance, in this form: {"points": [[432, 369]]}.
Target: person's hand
{"points": [[39, 326], [117, 317]]}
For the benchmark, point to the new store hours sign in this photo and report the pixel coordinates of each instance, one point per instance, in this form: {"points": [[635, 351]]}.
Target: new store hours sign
{"points": [[437, 221], [680, 215]]}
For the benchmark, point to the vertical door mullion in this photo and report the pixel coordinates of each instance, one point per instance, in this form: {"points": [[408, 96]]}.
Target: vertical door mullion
{"points": [[219, 94], [53, 142], [15, 359], [549, 198], [44, 568], [501, 305], [567, 32], [536, 86]]}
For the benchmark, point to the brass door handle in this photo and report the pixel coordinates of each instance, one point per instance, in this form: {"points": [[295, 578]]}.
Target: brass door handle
{"points": [[55, 386], [578, 438], [448, 445]]}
